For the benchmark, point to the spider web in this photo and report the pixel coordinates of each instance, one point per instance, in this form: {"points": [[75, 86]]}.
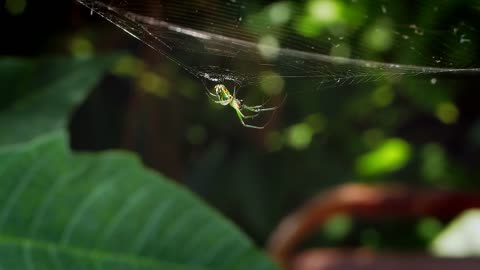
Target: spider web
{"points": [[326, 43]]}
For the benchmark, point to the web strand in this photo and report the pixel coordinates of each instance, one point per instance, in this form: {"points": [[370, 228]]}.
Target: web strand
{"points": [[177, 34]]}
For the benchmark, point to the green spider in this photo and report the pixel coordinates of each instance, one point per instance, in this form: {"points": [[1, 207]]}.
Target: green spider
{"points": [[223, 97]]}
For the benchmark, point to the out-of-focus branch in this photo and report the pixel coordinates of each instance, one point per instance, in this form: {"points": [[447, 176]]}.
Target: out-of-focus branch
{"points": [[364, 201], [331, 259]]}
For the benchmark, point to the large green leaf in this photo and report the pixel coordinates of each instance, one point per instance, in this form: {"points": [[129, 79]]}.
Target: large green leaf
{"points": [[39, 95], [60, 210], [13, 73]]}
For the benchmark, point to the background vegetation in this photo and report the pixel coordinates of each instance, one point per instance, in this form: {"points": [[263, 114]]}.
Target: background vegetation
{"points": [[66, 91]]}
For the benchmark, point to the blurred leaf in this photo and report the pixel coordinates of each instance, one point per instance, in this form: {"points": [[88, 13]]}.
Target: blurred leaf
{"points": [[461, 238], [84, 211], [53, 89], [13, 72]]}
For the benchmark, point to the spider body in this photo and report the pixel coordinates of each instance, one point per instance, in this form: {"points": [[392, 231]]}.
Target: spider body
{"points": [[223, 97], [222, 93]]}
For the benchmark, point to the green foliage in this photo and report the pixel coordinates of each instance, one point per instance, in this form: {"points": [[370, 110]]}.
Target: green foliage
{"points": [[66, 210], [60, 208]]}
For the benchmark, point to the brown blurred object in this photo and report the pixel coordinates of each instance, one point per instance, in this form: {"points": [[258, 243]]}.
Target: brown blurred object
{"points": [[373, 202], [324, 259]]}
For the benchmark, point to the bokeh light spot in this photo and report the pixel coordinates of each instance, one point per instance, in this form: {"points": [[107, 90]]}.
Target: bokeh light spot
{"points": [[154, 84], [390, 156], [81, 47], [326, 11], [271, 83], [15, 7], [279, 13], [129, 65], [379, 37], [447, 112], [434, 162], [428, 228], [268, 46], [299, 136], [382, 96], [337, 227], [317, 122]]}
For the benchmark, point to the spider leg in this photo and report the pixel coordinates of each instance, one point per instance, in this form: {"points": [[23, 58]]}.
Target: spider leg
{"points": [[213, 96], [223, 102], [241, 116], [255, 107], [261, 108], [210, 93], [258, 108], [250, 116], [246, 116]]}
